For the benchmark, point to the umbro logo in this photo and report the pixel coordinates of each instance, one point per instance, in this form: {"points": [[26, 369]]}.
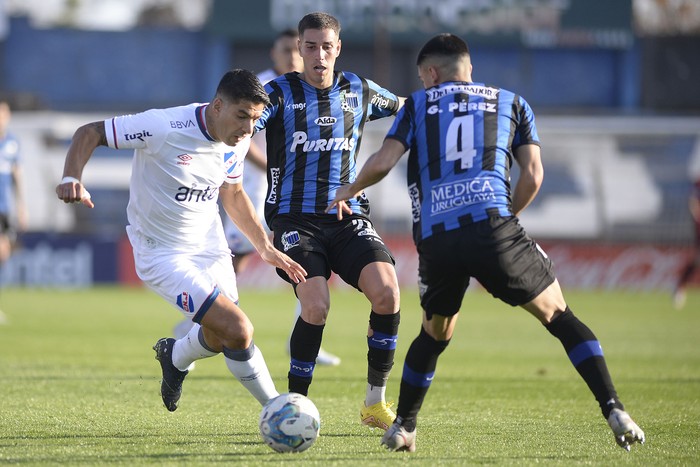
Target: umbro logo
{"points": [[184, 159]]}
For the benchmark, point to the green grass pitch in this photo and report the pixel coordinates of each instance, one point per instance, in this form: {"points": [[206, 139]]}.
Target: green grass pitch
{"points": [[79, 384]]}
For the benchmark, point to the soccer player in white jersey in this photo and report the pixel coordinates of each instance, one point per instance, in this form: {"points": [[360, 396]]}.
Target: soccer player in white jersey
{"points": [[285, 59], [184, 159]]}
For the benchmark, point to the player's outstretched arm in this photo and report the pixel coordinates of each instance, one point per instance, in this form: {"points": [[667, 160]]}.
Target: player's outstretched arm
{"points": [[377, 166], [85, 140], [531, 176], [239, 208]]}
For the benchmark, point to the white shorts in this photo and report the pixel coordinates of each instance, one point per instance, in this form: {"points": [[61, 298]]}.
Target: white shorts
{"points": [[189, 283]]}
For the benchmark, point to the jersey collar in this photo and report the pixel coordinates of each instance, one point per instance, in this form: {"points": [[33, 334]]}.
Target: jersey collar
{"points": [[201, 121]]}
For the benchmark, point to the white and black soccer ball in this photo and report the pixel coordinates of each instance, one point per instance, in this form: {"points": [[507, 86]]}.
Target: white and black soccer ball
{"points": [[289, 423]]}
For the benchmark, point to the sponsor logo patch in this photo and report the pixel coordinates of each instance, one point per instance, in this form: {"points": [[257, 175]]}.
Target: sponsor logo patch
{"points": [[325, 121], [473, 90], [274, 181], [141, 135]]}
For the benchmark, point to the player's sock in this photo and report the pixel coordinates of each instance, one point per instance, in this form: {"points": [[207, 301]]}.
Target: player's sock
{"points": [[248, 366], [586, 355], [191, 347], [303, 350], [380, 355], [418, 372], [297, 315]]}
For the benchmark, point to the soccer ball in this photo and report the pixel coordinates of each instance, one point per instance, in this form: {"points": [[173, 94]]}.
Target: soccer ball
{"points": [[289, 423]]}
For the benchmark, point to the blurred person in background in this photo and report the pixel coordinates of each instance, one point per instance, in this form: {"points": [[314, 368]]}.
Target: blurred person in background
{"points": [[462, 138], [679, 294], [185, 159], [13, 213]]}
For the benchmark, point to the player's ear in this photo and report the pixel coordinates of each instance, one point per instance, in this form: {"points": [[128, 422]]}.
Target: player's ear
{"points": [[339, 47], [217, 104]]}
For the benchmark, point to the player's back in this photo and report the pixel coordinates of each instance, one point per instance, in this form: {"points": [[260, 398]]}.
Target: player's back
{"points": [[462, 136]]}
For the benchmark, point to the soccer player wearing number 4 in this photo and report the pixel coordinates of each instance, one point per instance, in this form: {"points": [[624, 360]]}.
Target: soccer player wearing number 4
{"points": [[462, 137], [185, 158]]}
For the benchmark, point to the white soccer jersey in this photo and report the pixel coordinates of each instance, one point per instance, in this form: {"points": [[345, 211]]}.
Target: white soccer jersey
{"points": [[177, 170]]}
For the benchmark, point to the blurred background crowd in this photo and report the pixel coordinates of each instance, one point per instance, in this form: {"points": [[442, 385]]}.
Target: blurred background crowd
{"points": [[613, 83]]}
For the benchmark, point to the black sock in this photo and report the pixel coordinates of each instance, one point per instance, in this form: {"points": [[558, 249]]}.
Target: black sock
{"points": [[381, 347], [418, 373], [586, 355], [303, 350]]}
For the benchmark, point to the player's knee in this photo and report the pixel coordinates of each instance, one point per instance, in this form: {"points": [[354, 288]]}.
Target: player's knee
{"points": [[385, 300], [237, 335], [315, 311]]}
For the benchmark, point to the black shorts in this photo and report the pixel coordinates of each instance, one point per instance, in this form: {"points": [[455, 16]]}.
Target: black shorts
{"points": [[322, 243], [497, 252]]}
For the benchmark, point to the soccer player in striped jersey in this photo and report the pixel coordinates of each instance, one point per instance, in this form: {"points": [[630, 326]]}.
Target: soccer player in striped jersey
{"points": [[185, 158], [314, 125], [285, 59], [462, 138]]}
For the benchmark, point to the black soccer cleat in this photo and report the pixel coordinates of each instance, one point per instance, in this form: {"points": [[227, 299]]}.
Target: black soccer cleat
{"points": [[171, 384]]}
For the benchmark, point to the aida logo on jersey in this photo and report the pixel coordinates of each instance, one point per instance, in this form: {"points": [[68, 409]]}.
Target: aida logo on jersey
{"points": [[349, 100], [471, 89], [184, 301], [325, 121], [141, 135], [321, 144], [290, 240], [185, 194]]}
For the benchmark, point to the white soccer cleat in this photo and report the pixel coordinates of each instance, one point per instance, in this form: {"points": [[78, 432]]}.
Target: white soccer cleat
{"points": [[326, 358], [397, 438], [625, 430]]}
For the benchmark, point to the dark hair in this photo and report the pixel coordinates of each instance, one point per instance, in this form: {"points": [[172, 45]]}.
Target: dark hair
{"points": [[291, 32], [443, 45], [239, 84], [319, 20]]}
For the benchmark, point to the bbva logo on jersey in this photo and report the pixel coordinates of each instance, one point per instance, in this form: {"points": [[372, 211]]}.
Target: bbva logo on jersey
{"points": [[325, 121]]}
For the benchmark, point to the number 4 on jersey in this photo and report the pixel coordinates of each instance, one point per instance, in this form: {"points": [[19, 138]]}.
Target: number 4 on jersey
{"points": [[459, 141]]}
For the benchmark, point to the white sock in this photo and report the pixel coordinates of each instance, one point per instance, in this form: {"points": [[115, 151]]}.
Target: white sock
{"points": [[190, 348], [248, 366], [374, 394], [181, 329]]}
